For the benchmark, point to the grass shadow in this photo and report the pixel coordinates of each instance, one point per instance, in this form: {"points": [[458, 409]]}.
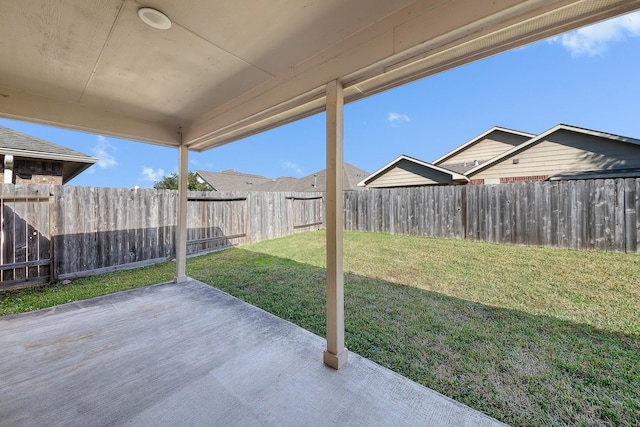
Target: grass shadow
{"points": [[520, 368]]}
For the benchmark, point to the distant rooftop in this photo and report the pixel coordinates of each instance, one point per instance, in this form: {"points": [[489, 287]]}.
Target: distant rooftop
{"points": [[231, 180]]}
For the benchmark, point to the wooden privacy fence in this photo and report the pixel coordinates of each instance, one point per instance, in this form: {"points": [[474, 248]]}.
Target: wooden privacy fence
{"points": [[102, 229], [65, 232], [586, 215]]}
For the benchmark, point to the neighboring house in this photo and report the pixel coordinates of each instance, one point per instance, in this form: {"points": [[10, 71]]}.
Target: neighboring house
{"points": [[502, 156], [231, 180], [29, 160], [563, 152], [406, 171]]}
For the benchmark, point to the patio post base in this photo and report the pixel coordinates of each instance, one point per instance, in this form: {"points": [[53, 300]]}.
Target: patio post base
{"points": [[180, 279], [335, 361]]}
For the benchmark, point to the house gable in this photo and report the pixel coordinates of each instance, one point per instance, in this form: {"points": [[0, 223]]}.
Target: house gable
{"points": [[409, 172], [482, 148], [559, 151]]}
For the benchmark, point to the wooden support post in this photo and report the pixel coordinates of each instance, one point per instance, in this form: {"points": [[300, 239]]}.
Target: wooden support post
{"points": [[336, 354], [181, 228], [53, 274]]}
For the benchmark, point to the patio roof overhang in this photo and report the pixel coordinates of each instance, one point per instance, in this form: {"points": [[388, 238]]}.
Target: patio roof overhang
{"points": [[227, 70]]}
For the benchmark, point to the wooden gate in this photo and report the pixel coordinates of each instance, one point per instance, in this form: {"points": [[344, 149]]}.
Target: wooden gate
{"points": [[215, 221], [25, 242], [308, 212]]}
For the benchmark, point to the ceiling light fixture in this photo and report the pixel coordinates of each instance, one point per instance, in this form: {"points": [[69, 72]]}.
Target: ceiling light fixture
{"points": [[154, 18]]}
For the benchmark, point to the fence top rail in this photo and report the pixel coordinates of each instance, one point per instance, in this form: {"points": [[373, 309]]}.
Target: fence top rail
{"points": [[304, 198], [5, 199], [214, 199]]}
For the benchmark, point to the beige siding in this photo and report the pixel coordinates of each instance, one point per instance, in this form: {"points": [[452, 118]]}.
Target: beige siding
{"points": [[565, 151], [406, 174], [490, 146]]}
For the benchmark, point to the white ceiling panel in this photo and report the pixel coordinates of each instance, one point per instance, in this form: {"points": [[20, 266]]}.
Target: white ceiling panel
{"points": [[165, 75], [50, 47], [278, 34]]}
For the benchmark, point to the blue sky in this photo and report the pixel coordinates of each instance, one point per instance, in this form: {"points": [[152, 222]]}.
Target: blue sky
{"points": [[588, 78]]}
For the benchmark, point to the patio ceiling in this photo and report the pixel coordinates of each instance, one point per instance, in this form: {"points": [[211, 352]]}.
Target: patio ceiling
{"points": [[226, 70]]}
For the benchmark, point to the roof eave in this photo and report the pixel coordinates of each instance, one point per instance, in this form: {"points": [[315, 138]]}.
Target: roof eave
{"points": [[50, 156], [75, 169], [519, 25]]}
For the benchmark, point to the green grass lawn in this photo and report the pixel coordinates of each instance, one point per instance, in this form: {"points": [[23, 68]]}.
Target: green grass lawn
{"points": [[531, 336], [23, 300]]}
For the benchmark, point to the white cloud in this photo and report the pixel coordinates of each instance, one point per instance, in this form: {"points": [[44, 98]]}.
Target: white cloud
{"points": [[595, 39], [148, 174], [292, 167], [103, 151], [396, 119]]}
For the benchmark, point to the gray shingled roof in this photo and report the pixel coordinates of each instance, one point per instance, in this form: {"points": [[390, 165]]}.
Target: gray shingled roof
{"points": [[236, 181], [21, 145], [231, 180], [461, 167], [11, 140]]}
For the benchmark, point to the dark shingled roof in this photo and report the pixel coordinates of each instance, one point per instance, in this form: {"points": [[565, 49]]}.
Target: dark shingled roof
{"points": [[236, 181], [24, 146], [597, 174], [14, 140]]}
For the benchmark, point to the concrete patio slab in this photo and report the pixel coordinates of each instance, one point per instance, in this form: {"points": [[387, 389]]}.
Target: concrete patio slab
{"points": [[188, 354]]}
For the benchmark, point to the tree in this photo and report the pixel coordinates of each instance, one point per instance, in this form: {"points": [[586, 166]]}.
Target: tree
{"points": [[170, 182]]}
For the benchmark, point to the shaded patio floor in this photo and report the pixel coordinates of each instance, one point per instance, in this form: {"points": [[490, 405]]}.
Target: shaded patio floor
{"points": [[188, 354]]}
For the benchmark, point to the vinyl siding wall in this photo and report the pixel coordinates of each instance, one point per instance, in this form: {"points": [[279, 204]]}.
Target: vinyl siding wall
{"points": [[487, 148], [564, 151], [406, 174]]}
